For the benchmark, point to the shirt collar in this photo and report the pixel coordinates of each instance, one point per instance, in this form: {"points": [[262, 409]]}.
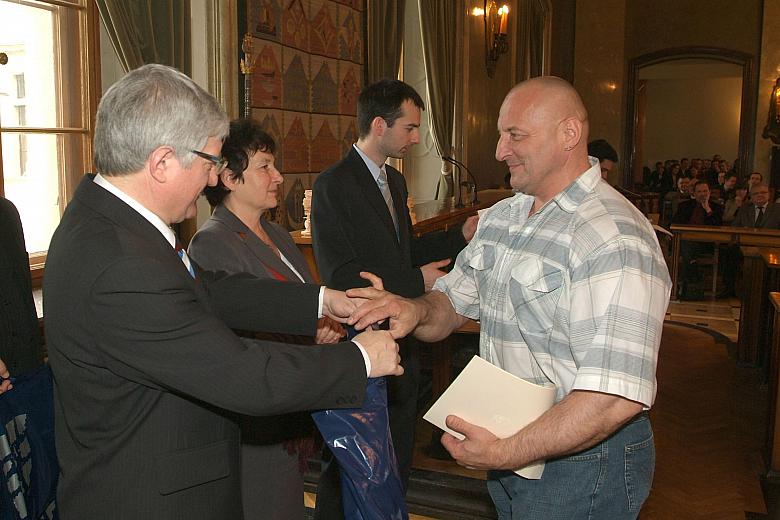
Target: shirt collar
{"points": [[372, 166], [153, 219]]}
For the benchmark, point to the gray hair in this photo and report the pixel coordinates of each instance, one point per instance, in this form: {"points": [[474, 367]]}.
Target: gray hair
{"points": [[149, 107]]}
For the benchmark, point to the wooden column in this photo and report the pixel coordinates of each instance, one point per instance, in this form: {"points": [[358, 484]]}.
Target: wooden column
{"points": [[773, 427], [752, 299]]}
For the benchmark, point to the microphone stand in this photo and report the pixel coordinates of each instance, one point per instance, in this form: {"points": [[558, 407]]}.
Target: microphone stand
{"points": [[459, 164], [459, 202]]}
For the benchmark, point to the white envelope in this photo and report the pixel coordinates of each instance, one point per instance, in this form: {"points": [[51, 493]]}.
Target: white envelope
{"points": [[485, 395]]}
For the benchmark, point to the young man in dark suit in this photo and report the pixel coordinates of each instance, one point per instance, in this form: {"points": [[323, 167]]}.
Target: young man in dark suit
{"points": [[147, 370], [360, 222]]}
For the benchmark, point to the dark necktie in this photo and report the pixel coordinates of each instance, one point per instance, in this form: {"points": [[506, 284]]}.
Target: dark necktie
{"points": [[759, 218]]}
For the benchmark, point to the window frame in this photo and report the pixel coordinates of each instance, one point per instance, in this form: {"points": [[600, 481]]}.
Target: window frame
{"points": [[88, 58]]}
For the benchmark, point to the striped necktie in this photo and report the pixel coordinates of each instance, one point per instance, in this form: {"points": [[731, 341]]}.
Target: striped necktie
{"points": [[385, 189], [184, 258]]}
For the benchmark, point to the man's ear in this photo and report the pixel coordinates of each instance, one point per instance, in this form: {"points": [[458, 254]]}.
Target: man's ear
{"points": [[378, 125], [160, 163], [572, 132]]}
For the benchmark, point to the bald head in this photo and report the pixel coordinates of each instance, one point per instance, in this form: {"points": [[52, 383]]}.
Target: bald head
{"points": [[553, 98], [543, 129]]}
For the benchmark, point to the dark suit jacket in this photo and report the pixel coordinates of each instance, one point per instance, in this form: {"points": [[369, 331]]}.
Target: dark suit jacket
{"points": [[145, 367], [747, 213], [20, 342], [685, 212], [352, 231]]}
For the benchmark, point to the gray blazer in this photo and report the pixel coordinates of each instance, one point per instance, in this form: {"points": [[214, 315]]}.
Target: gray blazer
{"points": [[747, 213], [224, 243]]}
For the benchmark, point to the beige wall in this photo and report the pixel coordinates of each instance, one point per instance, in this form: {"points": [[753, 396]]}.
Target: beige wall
{"points": [[598, 73], [482, 98], [610, 33], [715, 129]]}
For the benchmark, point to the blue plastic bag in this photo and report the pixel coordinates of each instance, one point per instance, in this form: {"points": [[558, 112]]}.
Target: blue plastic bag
{"points": [[360, 441], [28, 456]]}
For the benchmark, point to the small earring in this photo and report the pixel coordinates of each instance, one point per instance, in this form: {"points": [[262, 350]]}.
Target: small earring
{"points": [[567, 148]]}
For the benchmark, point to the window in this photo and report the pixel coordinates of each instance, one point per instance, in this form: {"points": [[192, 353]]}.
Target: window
{"points": [[48, 95], [19, 85]]}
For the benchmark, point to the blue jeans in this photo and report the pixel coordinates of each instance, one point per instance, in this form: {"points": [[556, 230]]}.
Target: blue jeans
{"points": [[609, 481]]}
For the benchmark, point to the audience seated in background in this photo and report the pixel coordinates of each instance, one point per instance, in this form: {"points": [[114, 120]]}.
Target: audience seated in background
{"points": [[758, 213], [698, 211]]}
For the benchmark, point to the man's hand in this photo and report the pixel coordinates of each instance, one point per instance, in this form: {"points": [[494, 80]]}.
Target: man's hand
{"points": [[382, 350], [431, 272], [470, 227], [329, 331], [6, 384], [706, 206], [382, 305], [479, 449], [337, 306]]}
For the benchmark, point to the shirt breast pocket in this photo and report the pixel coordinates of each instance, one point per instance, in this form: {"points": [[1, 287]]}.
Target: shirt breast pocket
{"points": [[534, 290]]}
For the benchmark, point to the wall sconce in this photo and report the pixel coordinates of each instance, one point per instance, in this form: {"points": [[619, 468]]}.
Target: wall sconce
{"points": [[496, 20]]}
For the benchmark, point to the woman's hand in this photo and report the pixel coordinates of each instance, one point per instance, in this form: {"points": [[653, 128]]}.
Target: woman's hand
{"points": [[329, 331]]}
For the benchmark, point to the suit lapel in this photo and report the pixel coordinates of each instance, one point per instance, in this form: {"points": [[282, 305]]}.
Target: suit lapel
{"points": [[254, 245], [293, 256], [370, 190], [115, 210]]}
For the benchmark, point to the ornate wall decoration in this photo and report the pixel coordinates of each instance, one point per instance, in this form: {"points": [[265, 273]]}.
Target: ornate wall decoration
{"points": [[307, 76]]}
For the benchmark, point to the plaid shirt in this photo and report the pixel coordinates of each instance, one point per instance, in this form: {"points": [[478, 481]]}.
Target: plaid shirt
{"points": [[574, 295]]}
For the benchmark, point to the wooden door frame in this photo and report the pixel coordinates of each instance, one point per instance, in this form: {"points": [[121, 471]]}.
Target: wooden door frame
{"points": [[747, 118]]}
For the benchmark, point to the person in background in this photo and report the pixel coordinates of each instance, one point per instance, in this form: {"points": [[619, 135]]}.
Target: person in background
{"points": [[753, 179], [238, 238], [360, 222], [699, 211], [673, 198], [605, 153], [733, 203], [566, 238], [20, 340], [758, 213]]}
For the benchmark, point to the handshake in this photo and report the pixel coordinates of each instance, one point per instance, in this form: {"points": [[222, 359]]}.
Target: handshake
{"points": [[363, 308]]}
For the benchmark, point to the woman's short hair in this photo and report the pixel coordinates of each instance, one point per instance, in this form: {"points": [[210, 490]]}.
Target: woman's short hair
{"points": [[246, 138], [149, 107]]}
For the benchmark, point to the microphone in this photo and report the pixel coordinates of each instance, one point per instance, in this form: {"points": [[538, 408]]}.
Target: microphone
{"points": [[459, 164]]}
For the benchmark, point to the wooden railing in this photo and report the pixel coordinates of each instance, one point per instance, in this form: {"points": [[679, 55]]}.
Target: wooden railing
{"points": [[717, 235]]}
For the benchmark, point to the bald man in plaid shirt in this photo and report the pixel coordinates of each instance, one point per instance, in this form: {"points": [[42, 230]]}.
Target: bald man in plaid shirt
{"points": [[570, 288]]}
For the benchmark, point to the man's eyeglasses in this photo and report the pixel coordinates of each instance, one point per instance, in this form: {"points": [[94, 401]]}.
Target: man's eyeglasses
{"points": [[219, 162]]}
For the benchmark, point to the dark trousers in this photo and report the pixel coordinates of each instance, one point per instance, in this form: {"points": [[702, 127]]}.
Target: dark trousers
{"points": [[402, 394]]}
